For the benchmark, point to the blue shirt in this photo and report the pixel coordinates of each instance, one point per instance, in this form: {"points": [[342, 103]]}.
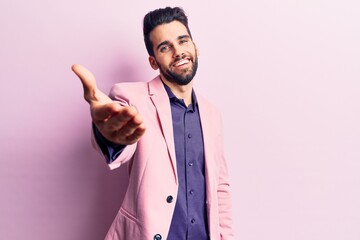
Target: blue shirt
{"points": [[189, 219]]}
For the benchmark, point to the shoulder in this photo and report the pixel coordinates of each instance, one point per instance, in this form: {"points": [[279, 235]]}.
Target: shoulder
{"points": [[208, 111], [129, 91], [128, 87], [206, 104]]}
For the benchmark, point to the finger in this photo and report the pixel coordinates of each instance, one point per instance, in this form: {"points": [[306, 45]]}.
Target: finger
{"points": [[137, 134], [103, 112], [88, 81], [115, 117], [131, 126]]}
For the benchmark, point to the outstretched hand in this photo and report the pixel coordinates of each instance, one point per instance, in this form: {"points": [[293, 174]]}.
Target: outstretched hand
{"points": [[118, 124]]}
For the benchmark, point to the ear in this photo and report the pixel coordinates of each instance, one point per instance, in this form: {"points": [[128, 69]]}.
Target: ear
{"points": [[153, 63]]}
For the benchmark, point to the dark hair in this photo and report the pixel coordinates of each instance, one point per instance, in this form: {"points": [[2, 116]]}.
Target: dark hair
{"points": [[161, 16]]}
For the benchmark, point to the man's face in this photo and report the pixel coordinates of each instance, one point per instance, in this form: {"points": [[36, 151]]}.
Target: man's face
{"points": [[175, 53]]}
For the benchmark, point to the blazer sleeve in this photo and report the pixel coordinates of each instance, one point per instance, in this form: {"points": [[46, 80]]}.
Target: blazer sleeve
{"points": [[126, 153]]}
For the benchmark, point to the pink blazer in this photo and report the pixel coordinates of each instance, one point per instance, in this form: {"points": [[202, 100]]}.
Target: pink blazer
{"points": [[145, 212]]}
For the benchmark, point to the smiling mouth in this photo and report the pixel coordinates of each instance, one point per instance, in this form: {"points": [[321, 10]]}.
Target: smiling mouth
{"points": [[181, 62]]}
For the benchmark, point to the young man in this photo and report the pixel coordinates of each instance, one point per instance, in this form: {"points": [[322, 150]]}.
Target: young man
{"points": [[178, 183]]}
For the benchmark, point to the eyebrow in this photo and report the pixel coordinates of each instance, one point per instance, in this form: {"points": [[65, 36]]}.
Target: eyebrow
{"points": [[167, 42]]}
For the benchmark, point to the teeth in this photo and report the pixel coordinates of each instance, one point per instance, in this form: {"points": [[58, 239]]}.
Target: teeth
{"points": [[181, 62]]}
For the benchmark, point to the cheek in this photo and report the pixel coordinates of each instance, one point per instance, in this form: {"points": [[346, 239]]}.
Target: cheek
{"points": [[194, 50], [164, 61]]}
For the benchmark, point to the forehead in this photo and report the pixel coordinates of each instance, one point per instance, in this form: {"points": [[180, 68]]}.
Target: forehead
{"points": [[167, 32]]}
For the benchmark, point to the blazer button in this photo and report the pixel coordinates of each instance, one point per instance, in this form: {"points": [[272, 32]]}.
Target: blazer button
{"points": [[169, 199], [157, 237]]}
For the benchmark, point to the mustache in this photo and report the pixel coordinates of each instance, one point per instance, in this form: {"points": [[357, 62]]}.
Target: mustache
{"points": [[181, 57]]}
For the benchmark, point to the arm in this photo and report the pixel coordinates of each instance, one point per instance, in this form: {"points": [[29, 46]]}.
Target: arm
{"points": [[110, 150], [118, 124]]}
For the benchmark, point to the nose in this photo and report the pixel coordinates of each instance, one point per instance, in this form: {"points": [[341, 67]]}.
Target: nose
{"points": [[178, 52]]}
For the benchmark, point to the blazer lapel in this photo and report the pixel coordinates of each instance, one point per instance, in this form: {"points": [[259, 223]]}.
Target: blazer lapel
{"points": [[161, 101]]}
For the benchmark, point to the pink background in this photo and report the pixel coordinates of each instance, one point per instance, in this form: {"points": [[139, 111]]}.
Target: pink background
{"points": [[285, 74]]}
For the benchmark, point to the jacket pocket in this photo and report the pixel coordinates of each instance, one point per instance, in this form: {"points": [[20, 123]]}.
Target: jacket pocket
{"points": [[125, 226], [127, 214]]}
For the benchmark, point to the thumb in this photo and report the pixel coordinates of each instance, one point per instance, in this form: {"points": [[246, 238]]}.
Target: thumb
{"points": [[88, 81]]}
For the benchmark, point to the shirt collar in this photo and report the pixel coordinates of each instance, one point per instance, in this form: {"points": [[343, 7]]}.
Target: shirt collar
{"points": [[173, 98]]}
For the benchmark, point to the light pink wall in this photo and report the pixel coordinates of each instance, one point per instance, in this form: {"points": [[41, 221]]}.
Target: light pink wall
{"points": [[285, 74]]}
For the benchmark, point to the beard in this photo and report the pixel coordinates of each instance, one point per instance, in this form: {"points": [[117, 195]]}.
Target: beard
{"points": [[186, 75]]}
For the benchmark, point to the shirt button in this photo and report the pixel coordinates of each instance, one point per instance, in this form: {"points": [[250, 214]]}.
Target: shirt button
{"points": [[157, 237], [169, 199], [193, 221], [189, 135], [191, 192], [190, 164]]}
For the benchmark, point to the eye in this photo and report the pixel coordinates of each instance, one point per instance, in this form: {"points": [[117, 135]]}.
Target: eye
{"points": [[164, 48], [183, 41]]}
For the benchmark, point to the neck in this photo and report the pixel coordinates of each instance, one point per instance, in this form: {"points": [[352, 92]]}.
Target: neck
{"points": [[180, 91]]}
